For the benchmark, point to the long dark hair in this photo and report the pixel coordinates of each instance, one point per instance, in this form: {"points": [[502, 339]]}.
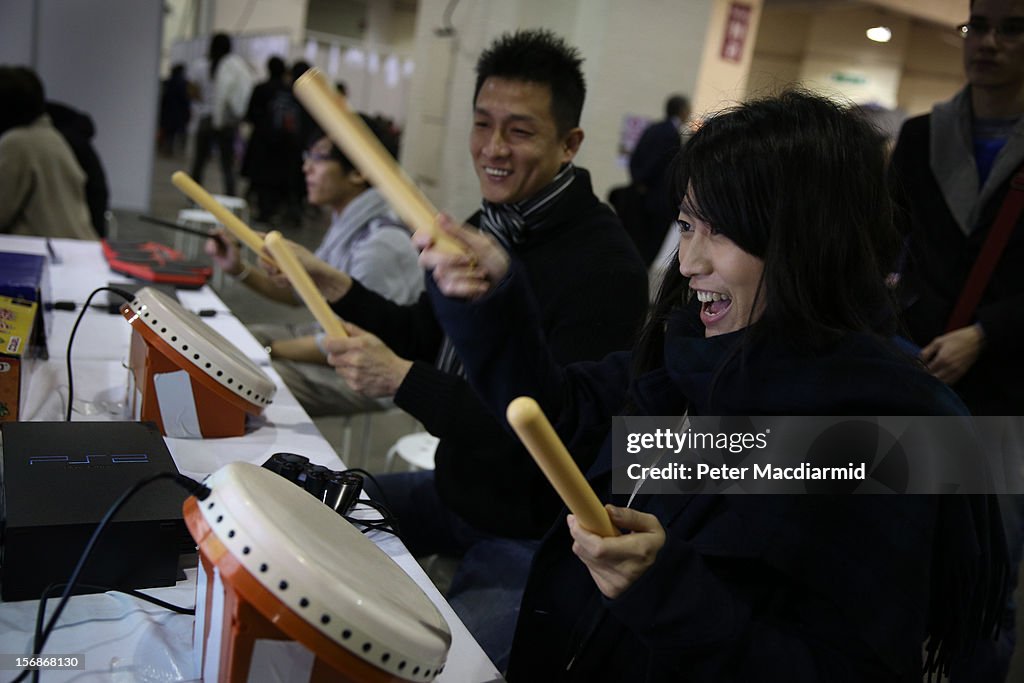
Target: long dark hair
{"points": [[798, 181]]}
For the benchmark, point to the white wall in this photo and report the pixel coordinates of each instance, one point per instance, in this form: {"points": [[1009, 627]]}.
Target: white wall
{"points": [[17, 31], [101, 57]]}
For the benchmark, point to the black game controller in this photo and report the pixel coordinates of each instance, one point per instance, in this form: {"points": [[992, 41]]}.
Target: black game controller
{"points": [[337, 490]]}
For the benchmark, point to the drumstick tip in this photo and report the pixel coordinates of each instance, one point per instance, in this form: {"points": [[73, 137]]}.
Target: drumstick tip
{"points": [[522, 411]]}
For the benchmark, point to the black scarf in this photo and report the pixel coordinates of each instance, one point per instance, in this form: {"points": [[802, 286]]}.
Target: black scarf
{"points": [[512, 224]]}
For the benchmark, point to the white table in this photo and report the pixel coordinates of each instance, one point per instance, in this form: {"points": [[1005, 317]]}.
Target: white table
{"points": [[125, 639]]}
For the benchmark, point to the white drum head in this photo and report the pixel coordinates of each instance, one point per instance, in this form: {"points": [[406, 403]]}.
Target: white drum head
{"points": [[326, 571], [207, 349]]}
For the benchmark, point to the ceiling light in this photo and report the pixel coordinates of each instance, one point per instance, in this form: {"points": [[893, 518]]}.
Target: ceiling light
{"points": [[879, 34]]}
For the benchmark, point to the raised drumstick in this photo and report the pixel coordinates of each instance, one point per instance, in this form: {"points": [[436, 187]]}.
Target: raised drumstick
{"points": [[351, 134], [539, 437], [303, 284], [233, 223]]}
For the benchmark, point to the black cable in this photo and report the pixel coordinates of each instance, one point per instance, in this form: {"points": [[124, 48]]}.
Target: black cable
{"points": [[387, 523], [40, 636], [380, 489], [85, 307]]}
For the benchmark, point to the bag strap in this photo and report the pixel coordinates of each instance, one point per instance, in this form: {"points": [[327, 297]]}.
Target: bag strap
{"points": [[988, 257]]}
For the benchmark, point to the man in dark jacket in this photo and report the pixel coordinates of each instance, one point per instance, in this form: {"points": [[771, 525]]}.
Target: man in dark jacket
{"points": [[590, 284], [952, 171], [649, 170]]}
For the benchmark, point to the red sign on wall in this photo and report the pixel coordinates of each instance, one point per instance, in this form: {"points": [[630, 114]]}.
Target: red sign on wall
{"points": [[736, 28]]}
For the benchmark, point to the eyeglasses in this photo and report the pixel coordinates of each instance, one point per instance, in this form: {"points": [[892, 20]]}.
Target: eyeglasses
{"points": [[1009, 30], [313, 155]]}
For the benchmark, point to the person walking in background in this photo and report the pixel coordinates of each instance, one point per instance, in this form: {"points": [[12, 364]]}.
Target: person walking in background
{"points": [[648, 169], [230, 85], [175, 111], [274, 148], [42, 187]]}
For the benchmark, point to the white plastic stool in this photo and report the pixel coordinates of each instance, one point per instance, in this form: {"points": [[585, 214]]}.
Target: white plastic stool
{"points": [[193, 218], [416, 449]]}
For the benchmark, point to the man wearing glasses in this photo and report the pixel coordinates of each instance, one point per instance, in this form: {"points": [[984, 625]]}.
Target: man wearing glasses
{"points": [[365, 239], [953, 170]]}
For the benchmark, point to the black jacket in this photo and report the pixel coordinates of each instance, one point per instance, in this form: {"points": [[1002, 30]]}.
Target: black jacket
{"points": [[747, 588], [939, 259]]}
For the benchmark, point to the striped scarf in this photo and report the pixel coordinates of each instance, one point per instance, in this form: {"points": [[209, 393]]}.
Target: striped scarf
{"points": [[511, 224]]}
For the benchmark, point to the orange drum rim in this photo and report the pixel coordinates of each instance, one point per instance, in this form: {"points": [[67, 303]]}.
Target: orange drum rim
{"points": [[410, 643], [165, 325]]}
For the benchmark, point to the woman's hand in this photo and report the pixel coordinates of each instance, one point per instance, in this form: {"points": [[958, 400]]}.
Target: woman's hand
{"points": [[332, 283], [366, 363], [469, 275], [616, 562]]}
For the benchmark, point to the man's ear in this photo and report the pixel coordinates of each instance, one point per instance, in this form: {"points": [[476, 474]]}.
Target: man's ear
{"points": [[571, 144], [357, 178]]}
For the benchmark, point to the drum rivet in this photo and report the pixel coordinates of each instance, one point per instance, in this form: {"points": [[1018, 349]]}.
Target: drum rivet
{"points": [[207, 366], [220, 372], [346, 634], [401, 665], [195, 356], [220, 518], [210, 506], [231, 534], [174, 337], [415, 671], [283, 585], [263, 567], [184, 347], [325, 619], [303, 602], [385, 657], [367, 647], [246, 550], [230, 381], [162, 329]]}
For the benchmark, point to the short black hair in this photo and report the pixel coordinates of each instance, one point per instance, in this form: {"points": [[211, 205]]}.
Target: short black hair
{"points": [[275, 67], [22, 93], [380, 130], [676, 105], [538, 56]]}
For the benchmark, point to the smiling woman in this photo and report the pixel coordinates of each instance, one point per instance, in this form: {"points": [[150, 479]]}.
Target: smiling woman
{"points": [[778, 307]]}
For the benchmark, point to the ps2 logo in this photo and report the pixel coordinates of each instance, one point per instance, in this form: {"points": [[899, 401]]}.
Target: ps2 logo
{"points": [[5, 367], [93, 459]]}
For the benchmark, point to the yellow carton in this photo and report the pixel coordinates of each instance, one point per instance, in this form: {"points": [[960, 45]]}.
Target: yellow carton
{"points": [[17, 317]]}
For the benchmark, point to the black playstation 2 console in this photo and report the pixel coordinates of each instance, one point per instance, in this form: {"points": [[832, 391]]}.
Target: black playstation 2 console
{"points": [[57, 481]]}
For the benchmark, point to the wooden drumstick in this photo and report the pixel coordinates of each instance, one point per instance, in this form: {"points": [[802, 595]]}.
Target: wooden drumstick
{"points": [[353, 136], [233, 223], [539, 437], [303, 284]]}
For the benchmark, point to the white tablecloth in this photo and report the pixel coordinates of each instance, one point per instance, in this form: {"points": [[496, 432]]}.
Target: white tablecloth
{"points": [[124, 639]]}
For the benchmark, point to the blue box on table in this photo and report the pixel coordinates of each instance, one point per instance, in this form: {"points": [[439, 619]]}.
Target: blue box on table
{"points": [[27, 277]]}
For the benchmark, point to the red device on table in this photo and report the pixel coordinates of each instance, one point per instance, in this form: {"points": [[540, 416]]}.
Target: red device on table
{"points": [[154, 262]]}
